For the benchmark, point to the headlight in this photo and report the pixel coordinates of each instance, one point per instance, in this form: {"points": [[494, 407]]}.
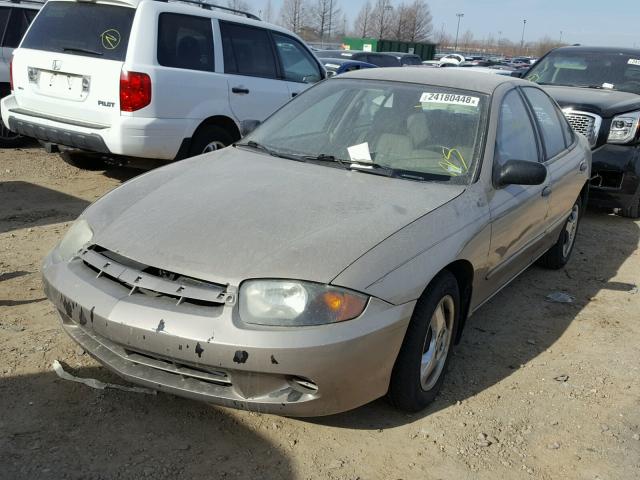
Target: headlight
{"points": [[293, 303], [76, 237], [624, 128]]}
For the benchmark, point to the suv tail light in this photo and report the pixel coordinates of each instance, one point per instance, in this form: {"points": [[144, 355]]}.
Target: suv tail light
{"points": [[11, 74], [135, 91]]}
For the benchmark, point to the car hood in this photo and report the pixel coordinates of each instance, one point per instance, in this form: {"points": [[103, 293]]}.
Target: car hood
{"points": [[605, 103], [234, 214]]}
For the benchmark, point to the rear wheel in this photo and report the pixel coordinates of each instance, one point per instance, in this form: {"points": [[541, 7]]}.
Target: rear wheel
{"points": [[420, 368], [209, 138], [8, 139], [558, 255], [633, 210]]}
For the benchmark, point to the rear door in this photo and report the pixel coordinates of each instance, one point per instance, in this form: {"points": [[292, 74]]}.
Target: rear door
{"points": [[518, 212], [69, 63], [255, 91], [299, 68], [5, 56]]}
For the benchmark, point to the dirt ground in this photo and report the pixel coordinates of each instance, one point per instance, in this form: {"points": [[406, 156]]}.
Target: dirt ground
{"points": [[536, 389]]}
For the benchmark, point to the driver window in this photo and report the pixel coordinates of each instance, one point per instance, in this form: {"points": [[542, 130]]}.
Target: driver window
{"points": [[516, 139]]}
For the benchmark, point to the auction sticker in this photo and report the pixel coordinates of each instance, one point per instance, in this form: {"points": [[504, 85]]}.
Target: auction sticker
{"points": [[633, 61], [450, 99]]}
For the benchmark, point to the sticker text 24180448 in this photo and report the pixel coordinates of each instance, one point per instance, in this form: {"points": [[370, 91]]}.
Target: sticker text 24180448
{"points": [[449, 98]]}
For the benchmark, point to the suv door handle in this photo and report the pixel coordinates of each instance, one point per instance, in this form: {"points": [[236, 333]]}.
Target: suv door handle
{"points": [[240, 90], [583, 166], [546, 191], [293, 94]]}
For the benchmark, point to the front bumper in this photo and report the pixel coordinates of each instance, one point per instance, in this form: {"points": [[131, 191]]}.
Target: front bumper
{"points": [[615, 176], [126, 136], [207, 353]]}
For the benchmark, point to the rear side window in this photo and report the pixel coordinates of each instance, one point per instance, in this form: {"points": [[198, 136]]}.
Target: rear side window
{"points": [[297, 62], [20, 20], [548, 118], [185, 41], [247, 51], [79, 28], [383, 60]]}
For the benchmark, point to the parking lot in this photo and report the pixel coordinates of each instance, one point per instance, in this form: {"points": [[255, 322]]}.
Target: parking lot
{"points": [[536, 389]]}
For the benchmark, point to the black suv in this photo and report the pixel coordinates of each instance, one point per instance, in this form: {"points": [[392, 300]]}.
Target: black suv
{"points": [[599, 92], [377, 58]]}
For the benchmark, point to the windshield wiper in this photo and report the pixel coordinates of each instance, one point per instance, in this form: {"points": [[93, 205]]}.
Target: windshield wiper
{"points": [[81, 50], [373, 168], [273, 153], [326, 158]]}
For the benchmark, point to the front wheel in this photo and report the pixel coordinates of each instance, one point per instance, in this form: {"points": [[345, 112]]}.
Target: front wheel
{"points": [[557, 256], [420, 368]]}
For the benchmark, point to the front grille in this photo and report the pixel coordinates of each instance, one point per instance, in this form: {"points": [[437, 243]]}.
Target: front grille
{"points": [[584, 123], [141, 279]]}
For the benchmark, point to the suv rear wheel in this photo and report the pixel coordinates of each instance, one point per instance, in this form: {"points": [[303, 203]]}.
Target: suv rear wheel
{"points": [[209, 138], [633, 210]]}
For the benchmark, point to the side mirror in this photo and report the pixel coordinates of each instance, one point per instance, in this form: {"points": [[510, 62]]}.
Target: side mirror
{"points": [[519, 73], [521, 172], [248, 126]]}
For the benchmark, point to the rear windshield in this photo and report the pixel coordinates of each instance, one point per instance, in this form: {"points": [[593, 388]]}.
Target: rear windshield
{"points": [[87, 29]]}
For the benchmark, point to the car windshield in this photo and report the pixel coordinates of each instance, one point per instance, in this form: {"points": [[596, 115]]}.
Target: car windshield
{"points": [[411, 131], [607, 70]]}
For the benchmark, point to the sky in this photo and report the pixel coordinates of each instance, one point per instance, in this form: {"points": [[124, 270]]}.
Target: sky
{"points": [[587, 22]]}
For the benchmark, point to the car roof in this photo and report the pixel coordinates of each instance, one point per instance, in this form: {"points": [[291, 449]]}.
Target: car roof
{"points": [[341, 61], [446, 77], [581, 48], [348, 53], [402, 54]]}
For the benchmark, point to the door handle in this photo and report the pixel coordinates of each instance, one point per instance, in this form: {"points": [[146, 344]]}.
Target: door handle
{"points": [[240, 90], [546, 191], [293, 94], [583, 166]]}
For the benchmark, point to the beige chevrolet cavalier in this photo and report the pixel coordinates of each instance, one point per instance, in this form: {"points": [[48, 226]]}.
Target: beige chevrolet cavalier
{"points": [[333, 255]]}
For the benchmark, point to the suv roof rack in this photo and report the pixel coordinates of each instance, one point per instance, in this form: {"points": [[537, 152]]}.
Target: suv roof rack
{"points": [[211, 6]]}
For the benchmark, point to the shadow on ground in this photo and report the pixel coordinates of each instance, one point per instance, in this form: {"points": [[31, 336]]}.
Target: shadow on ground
{"points": [[518, 324], [55, 429]]}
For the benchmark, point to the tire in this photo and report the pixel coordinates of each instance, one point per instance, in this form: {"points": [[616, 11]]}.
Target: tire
{"points": [[558, 255], [633, 210], [83, 160], [209, 138], [426, 347], [8, 139]]}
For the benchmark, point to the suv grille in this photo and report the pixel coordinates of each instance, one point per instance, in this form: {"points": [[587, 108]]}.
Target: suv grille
{"points": [[584, 123]]}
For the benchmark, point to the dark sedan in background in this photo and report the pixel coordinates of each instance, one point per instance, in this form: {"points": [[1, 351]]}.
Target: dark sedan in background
{"points": [[336, 66]]}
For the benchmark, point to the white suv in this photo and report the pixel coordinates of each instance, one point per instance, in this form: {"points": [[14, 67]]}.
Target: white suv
{"points": [[150, 79]]}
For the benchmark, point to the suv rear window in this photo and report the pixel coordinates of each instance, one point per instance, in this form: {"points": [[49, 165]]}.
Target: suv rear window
{"points": [[87, 29]]}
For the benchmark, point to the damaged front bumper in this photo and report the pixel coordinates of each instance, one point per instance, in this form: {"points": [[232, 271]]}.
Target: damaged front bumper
{"points": [[615, 181], [206, 353]]}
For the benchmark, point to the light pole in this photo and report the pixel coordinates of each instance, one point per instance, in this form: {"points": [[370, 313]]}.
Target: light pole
{"points": [[560, 41], [459, 15], [499, 40], [524, 24], [330, 19]]}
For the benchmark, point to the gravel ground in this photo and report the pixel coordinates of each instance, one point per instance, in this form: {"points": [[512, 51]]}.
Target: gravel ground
{"points": [[536, 389]]}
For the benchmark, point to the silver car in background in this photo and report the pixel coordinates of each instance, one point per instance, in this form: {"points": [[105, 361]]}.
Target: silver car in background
{"points": [[334, 254]]}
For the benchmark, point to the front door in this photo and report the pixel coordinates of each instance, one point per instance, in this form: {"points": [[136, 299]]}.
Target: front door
{"points": [[255, 91], [519, 213]]}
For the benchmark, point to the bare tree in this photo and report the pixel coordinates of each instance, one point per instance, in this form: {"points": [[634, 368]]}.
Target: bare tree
{"points": [[239, 5], [381, 16], [267, 14], [466, 40], [323, 17], [400, 21], [418, 25], [293, 15], [362, 25]]}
